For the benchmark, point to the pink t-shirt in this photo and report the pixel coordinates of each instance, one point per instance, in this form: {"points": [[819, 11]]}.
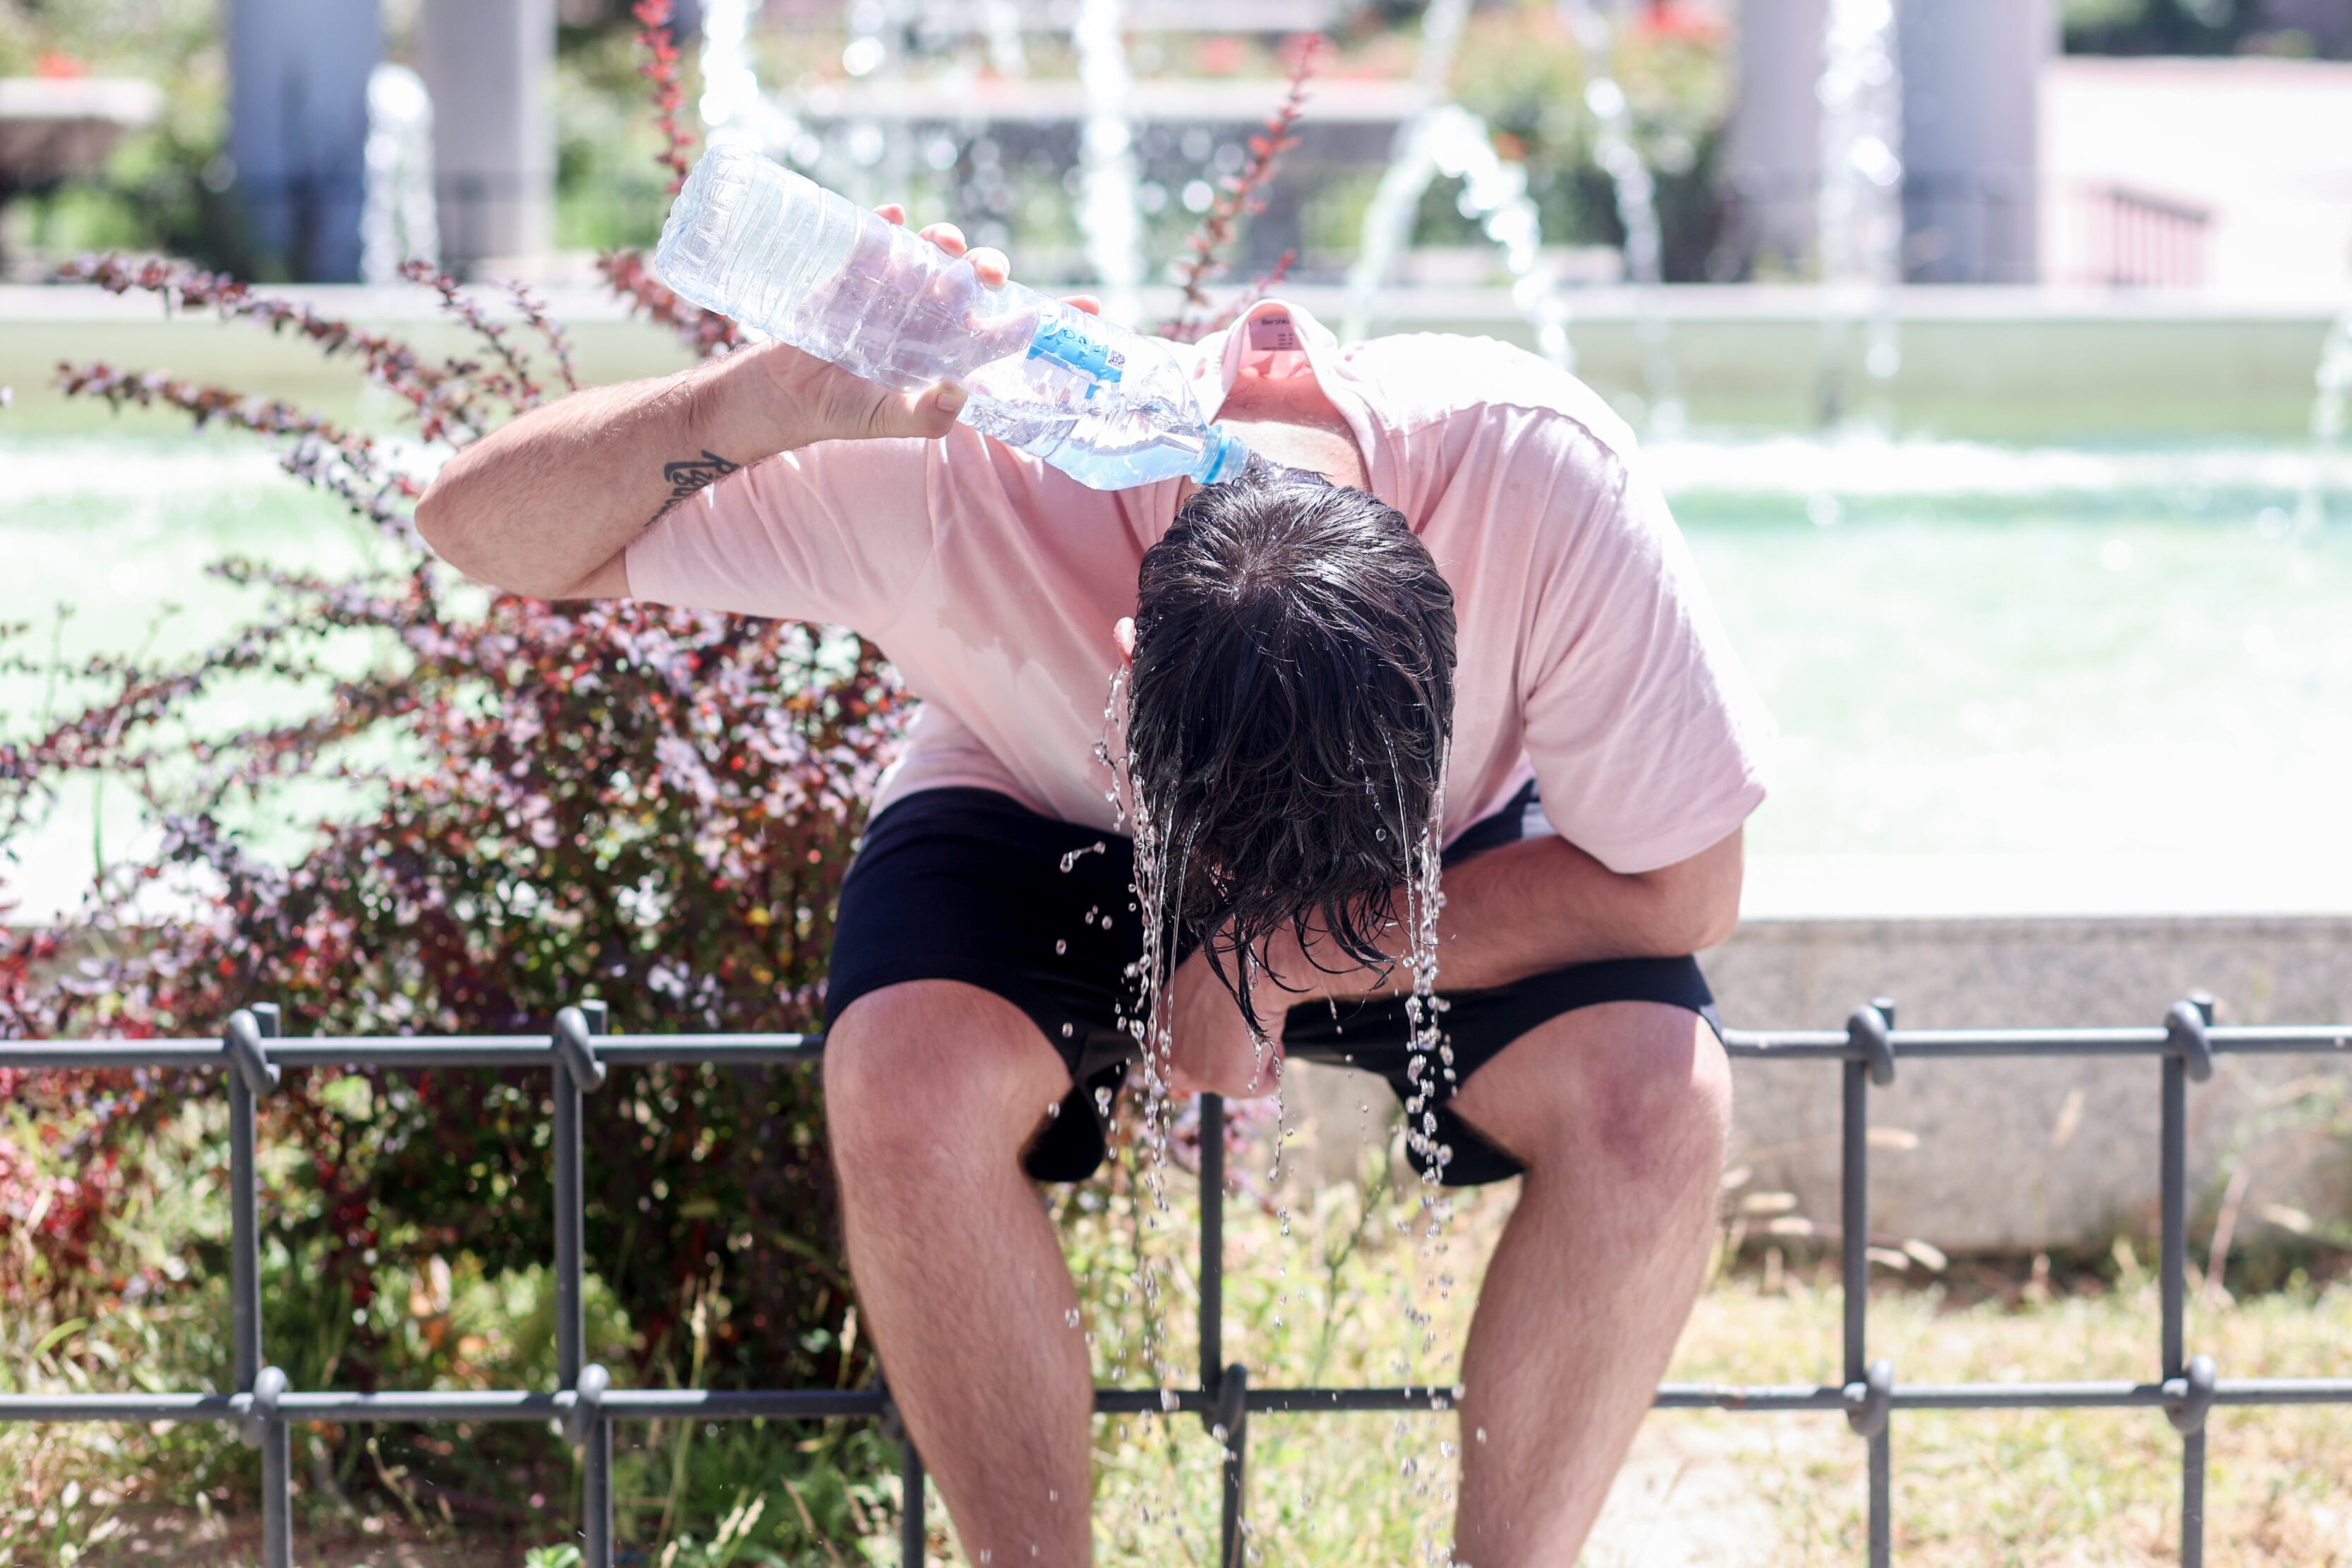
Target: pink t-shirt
{"points": [[1589, 657]]}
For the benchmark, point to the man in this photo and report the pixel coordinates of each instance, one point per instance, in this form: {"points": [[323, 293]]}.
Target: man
{"points": [[1449, 581]]}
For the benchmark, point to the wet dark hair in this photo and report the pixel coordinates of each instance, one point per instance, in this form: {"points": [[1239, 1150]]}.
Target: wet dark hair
{"points": [[1289, 711]]}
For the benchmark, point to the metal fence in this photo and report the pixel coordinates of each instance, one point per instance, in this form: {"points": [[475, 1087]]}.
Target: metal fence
{"points": [[580, 1053]]}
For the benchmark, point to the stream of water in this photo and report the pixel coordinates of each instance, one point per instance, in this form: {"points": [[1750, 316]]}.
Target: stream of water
{"points": [[1861, 208], [2334, 380]]}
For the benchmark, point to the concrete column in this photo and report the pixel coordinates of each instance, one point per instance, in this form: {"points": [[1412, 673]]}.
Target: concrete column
{"points": [[298, 128], [1971, 137], [490, 65], [1772, 154]]}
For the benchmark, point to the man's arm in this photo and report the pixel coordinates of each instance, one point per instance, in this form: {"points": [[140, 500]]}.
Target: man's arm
{"points": [[1516, 911], [1542, 903], [546, 504]]}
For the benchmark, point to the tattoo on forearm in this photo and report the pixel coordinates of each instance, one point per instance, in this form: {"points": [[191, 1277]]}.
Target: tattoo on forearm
{"points": [[690, 475]]}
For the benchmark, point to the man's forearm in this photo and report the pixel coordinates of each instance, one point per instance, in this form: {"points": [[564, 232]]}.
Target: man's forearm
{"points": [[1542, 903], [539, 506]]}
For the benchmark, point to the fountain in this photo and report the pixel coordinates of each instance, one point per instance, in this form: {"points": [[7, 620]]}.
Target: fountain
{"points": [[2327, 418], [1000, 20], [398, 219], [730, 104], [1861, 212], [873, 54], [1108, 216], [1637, 206], [1446, 139]]}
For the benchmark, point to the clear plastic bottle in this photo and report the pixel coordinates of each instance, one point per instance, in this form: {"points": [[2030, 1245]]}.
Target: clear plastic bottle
{"points": [[752, 240]]}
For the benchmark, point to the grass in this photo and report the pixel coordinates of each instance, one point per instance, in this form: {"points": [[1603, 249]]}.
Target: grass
{"points": [[1328, 1303]]}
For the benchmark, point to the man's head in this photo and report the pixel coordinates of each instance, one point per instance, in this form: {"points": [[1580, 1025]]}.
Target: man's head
{"points": [[1290, 707]]}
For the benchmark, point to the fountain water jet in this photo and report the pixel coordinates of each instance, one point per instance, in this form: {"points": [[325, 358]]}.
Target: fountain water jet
{"points": [[1449, 139], [1388, 221], [730, 105], [398, 219], [2327, 418], [1860, 209], [1636, 193], [1108, 214], [1000, 20]]}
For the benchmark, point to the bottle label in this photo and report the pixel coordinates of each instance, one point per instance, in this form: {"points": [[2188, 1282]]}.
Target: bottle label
{"points": [[1075, 341]]}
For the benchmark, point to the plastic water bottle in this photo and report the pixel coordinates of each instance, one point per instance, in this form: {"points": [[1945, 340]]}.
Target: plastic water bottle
{"points": [[1110, 408]]}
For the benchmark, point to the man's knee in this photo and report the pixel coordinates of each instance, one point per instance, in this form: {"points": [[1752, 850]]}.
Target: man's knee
{"points": [[934, 1073], [1639, 1091]]}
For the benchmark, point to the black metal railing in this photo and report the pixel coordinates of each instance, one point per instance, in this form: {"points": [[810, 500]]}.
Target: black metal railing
{"points": [[580, 1053]]}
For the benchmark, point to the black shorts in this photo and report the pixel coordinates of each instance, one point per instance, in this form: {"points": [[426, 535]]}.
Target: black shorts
{"points": [[969, 885]]}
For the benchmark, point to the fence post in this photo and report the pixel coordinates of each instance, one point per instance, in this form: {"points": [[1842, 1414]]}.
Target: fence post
{"points": [[251, 1075], [2189, 1054], [911, 1531], [1212, 1244], [1868, 1386], [577, 1070], [1225, 1388]]}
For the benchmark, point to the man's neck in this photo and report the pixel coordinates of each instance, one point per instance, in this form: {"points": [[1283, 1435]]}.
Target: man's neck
{"points": [[1289, 420]]}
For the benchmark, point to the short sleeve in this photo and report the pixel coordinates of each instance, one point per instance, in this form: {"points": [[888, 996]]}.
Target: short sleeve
{"points": [[1648, 741], [834, 532]]}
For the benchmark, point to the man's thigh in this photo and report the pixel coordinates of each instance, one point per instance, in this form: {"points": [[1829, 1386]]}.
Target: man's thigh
{"points": [[1619, 1088], [1477, 1029], [937, 1060], [969, 889]]}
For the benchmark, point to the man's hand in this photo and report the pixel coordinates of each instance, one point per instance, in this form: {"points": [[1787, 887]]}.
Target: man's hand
{"points": [[835, 405], [1212, 1050]]}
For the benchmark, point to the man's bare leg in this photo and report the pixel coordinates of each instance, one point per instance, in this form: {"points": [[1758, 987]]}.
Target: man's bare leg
{"points": [[1620, 1113], [932, 1091]]}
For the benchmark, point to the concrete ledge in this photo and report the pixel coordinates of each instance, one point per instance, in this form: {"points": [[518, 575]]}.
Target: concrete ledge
{"points": [[2019, 1155], [2038, 365]]}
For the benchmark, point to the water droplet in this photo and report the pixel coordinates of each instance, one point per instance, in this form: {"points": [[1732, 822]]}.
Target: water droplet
{"points": [[1482, 1433], [1061, 946], [1068, 1031], [1071, 1317]]}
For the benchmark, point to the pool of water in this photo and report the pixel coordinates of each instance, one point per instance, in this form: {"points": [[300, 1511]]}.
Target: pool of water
{"points": [[2010, 679]]}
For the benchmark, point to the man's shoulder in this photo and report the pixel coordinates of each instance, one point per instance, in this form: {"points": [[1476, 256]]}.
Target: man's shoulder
{"points": [[1419, 380]]}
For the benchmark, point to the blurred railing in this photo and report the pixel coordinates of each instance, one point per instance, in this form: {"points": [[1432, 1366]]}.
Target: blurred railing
{"points": [[580, 1053], [2138, 239]]}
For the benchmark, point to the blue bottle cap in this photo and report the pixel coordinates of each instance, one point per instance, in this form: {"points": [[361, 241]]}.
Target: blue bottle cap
{"points": [[1222, 458]]}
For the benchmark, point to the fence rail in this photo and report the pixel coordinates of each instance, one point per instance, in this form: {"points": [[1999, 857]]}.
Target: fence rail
{"points": [[580, 1052]]}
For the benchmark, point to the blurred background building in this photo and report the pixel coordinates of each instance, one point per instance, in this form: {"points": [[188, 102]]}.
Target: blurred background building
{"points": [[2171, 143]]}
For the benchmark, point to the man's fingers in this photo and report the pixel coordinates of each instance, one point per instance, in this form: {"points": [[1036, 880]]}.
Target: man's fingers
{"points": [[990, 264], [891, 212], [930, 412], [1090, 303], [947, 236]]}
